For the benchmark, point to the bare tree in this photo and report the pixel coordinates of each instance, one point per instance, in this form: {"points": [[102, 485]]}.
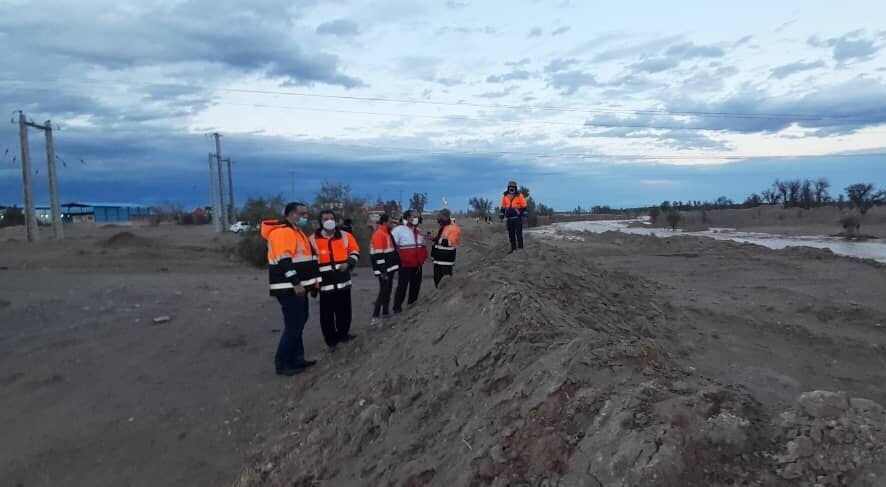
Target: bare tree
{"points": [[480, 207], [674, 218], [821, 191], [864, 197], [771, 197]]}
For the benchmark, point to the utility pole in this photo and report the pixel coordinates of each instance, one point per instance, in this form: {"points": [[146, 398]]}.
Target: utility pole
{"points": [[213, 196], [232, 211], [57, 231], [30, 212], [221, 182]]}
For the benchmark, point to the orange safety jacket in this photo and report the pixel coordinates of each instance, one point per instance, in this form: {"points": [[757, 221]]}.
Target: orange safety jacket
{"points": [[332, 252], [291, 260], [383, 252], [513, 205], [445, 244]]}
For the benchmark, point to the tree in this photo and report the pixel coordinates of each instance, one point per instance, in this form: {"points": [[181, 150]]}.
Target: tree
{"points": [[332, 196], [807, 195], [480, 207], [665, 206], [771, 197], [723, 202], [781, 188], [794, 187], [257, 209], [544, 210], [418, 202], [654, 213], [674, 218], [863, 197], [392, 208], [821, 191], [841, 201], [753, 201]]}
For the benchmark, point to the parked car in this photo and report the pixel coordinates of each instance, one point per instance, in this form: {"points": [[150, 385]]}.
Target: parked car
{"points": [[241, 227]]}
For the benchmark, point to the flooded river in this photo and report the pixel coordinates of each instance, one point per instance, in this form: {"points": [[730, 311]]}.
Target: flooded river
{"points": [[869, 250]]}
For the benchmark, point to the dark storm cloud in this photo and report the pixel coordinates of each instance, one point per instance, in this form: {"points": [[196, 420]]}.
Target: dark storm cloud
{"points": [[258, 38]]}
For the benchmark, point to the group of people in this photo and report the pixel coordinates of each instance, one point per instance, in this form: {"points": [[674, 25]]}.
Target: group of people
{"points": [[319, 265]]}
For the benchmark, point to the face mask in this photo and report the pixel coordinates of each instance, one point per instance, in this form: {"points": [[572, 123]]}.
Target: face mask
{"points": [[302, 222], [329, 225], [415, 221]]}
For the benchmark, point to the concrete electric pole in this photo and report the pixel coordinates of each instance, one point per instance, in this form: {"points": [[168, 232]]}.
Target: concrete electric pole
{"points": [[213, 196], [30, 212], [232, 210], [223, 214]]}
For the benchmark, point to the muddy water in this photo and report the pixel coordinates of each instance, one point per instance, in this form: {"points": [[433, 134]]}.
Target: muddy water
{"points": [[869, 250]]}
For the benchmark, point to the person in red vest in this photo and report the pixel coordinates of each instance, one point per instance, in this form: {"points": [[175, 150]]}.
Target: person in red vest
{"points": [[385, 262], [513, 208], [337, 253], [413, 253]]}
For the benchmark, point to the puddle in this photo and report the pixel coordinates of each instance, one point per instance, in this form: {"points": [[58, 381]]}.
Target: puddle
{"points": [[875, 250]]}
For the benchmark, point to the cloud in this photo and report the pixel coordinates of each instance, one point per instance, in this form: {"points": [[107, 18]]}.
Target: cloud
{"points": [[841, 108], [675, 55], [786, 70], [569, 82], [559, 64], [498, 94], [421, 67], [185, 32], [689, 50], [655, 65], [744, 40], [340, 28], [560, 30], [450, 4], [535, 32], [517, 74], [850, 47], [642, 49], [449, 82], [787, 24], [465, 30], [517, 64]]}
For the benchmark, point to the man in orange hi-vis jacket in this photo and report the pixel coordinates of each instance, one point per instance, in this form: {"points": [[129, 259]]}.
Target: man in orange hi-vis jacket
{"points": [[445, 244], [292, 268], [385, 264], [513, 207]]}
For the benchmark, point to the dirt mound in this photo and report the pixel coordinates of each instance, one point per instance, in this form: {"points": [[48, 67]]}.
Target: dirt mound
{"points": [[541, 369], [126, 239]]}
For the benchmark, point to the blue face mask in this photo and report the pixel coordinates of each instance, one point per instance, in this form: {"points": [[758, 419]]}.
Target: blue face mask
{"points": [[302, 222]]}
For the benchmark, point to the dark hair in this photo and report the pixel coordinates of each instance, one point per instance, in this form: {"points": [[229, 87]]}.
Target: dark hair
{"points": [[384, 218], [407, 214], [325, 212], [290, 207], [348, 221]]}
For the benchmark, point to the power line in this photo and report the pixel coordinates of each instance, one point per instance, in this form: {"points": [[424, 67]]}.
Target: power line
{"points": [[594, 111]]}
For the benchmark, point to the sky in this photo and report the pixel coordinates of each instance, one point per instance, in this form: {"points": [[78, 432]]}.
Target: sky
{"points": [[624, 105]]}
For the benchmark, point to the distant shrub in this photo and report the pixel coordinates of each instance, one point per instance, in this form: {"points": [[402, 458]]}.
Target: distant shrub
{"points": [[654, 213], [253, 249], [674, 219], [851, 224]]}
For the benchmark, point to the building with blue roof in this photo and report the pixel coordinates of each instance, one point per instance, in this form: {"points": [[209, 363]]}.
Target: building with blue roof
{"points": [[103, 212]]}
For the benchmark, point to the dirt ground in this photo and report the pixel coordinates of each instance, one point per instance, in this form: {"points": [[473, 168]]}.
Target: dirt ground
{"points": [[587, 360]]}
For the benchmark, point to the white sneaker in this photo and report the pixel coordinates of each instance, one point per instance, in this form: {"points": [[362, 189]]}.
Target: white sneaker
{"points": [[375, 322]]}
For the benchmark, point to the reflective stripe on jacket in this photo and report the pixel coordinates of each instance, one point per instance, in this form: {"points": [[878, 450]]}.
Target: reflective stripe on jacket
{"points": [[332, 252], [383, 252], [445, 244], [291, 260]]}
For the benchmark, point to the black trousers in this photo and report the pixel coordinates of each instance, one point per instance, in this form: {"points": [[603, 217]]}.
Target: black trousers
{"points": [[291, 350], [515, 233], [335, 315], [440, 271], [383, 301], [411, 279]]}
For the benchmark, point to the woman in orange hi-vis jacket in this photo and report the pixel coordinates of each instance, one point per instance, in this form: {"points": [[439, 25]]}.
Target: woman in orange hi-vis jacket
{"points": [[513, 207], [337, 253]]}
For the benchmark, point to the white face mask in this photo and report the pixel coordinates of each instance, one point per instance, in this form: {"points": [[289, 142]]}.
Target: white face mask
{"points": [[329, 225], [415, 221]]}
